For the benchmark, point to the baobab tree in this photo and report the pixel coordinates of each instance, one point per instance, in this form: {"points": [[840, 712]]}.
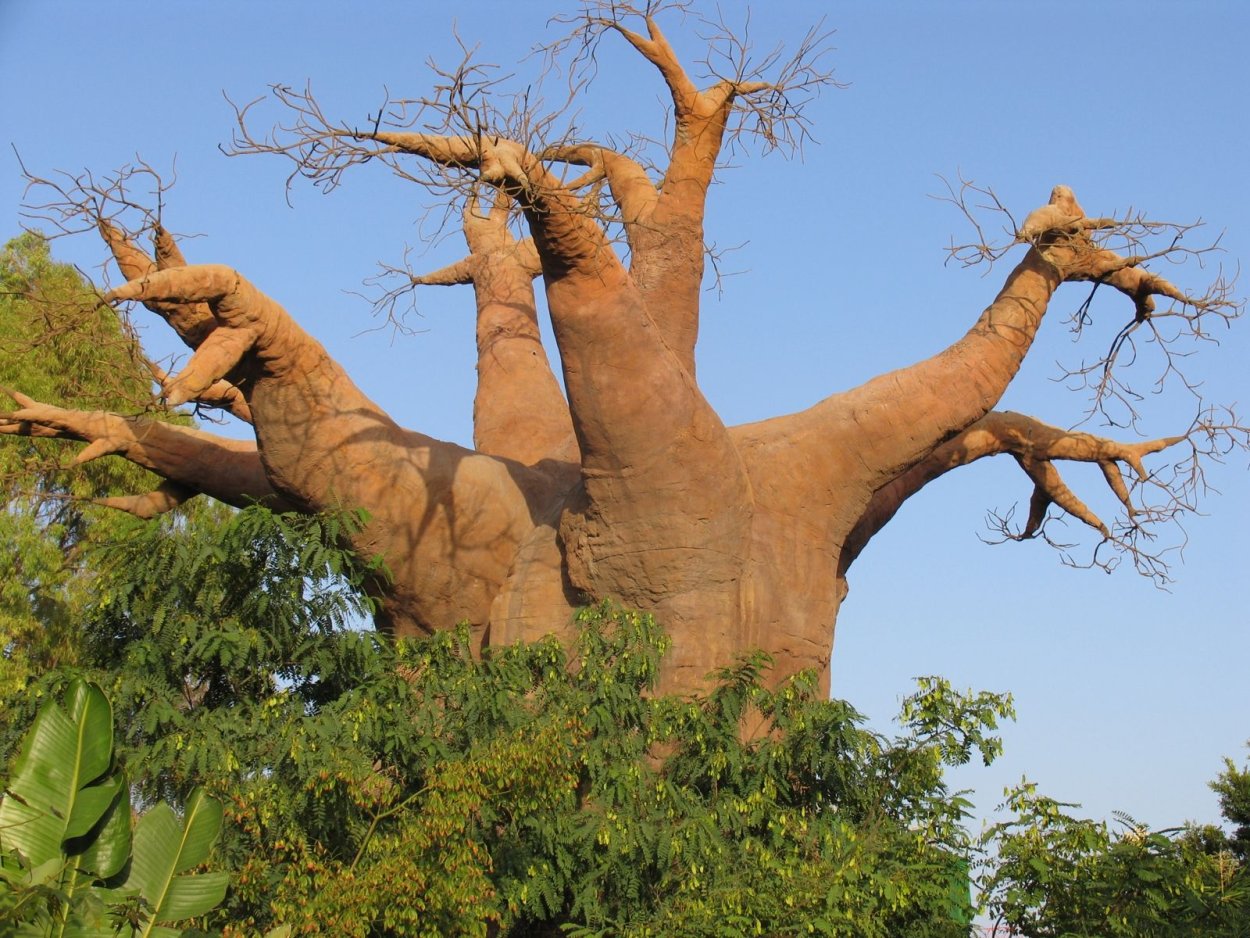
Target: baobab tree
{"points": [[620, 481]]}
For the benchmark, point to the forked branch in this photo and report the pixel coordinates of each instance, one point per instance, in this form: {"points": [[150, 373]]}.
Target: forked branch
{"points": [[519, 411], [449, 164], [221, 395], [1162, 497], [129, 199], [191, 460], [123, 207], [751, 94], [1115, 252], [1148, 498]]}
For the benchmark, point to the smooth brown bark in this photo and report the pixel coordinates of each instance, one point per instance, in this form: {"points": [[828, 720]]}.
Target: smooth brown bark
{"points": [[519, 411]]}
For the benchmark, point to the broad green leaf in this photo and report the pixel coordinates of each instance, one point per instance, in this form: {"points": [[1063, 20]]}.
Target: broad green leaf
{"points": [[34, 834], [91, 804], [46, 872], [163, 848], [202, 823], [157, 843], [60, 757], [110, 848], [193, 894]]}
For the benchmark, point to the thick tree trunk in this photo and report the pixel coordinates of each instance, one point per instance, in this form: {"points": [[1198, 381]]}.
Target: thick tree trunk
{"points": [[632, 488], [626, 485]]}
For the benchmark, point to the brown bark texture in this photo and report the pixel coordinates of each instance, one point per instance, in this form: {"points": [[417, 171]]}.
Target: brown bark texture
{"points": [[621, 481]]}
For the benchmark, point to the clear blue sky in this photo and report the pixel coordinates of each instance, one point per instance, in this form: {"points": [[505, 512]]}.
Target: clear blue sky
{"points": [[1128, 696]]}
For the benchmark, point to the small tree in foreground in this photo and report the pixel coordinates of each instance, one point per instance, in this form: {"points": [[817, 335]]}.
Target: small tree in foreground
{"points": [[626, 483], [1051, 874]]}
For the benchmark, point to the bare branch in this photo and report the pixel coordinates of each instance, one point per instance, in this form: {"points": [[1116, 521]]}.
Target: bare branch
{"points": [[228, 470], [973, 201], [122, 207], [1116, 252], [455, 159], [488, 237], [772, 91], [769, 92], [467, 104], [1150, 500], [129, 200]]}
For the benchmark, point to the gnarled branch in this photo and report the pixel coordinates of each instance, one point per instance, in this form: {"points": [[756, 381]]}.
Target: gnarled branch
{"points": [[1114, 251], [195, 461], [1149, 500]]}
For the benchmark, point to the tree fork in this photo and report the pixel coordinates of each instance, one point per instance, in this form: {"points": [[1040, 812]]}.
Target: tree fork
{"points": [[519, 411], [643, 457], [325, 445]]}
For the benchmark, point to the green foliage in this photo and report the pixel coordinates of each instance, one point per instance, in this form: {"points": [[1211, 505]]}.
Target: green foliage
{"points": [[373, 788], [60, 345], [164, 851], [527, 791], [68, 863], [211, 632], [377, 788], [1055, 875], [1233, 788]]}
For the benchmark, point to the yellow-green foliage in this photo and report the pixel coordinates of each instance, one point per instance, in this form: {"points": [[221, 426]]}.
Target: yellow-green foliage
{"points": [[58, 344]]}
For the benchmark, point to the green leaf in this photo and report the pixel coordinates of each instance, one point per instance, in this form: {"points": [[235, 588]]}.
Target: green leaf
{"points": [[46, 872], [163, 848], [91, 804], [49, 799], [110, 848], [193, 895]]}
